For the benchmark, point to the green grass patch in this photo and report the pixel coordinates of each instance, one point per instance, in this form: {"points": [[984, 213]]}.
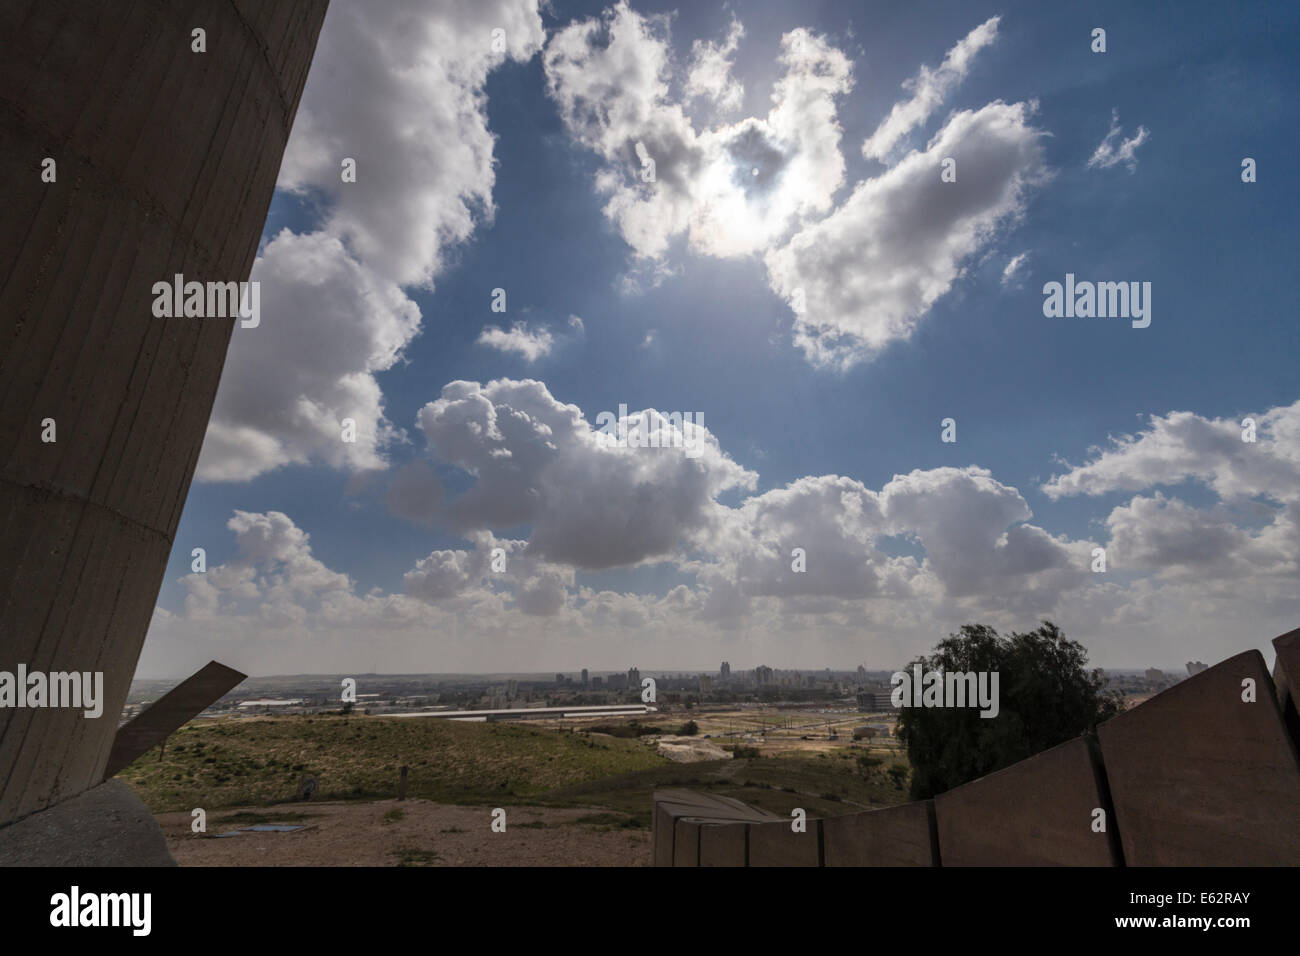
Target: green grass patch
{"points": [[237, 763]]}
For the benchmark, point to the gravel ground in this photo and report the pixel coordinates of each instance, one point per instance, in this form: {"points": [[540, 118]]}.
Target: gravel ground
{"points": [[428, 834]]}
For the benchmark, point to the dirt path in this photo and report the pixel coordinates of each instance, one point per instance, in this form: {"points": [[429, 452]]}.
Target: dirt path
{"points": [[426, 834]]}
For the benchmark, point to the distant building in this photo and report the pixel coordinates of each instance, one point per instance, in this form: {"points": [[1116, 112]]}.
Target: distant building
{"points": [[706, 684], [1195, 667], [862, 674], [875, 701], [597, 682], [725, 672], [559, 678], [1155, 676], [584, 677], [634, 678], [763, 675]]}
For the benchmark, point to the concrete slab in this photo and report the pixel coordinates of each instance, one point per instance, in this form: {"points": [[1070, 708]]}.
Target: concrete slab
{"points": [[103, 826], [670, 806], [723, 844], [775, 844], [892, 836], [1037, 812], [1200, 777], [1286, 678]]}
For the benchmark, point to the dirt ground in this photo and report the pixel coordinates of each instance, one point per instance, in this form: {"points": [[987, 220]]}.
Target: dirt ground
{"points": [[427, 834]]}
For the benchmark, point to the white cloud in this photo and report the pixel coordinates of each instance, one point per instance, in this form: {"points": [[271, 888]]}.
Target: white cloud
{"points": [[1182, 445], [710, 76], [901, 565], [328, 324], [1108, 154], [1014, 268], [872, 269], [929, 88], [537, 462], [531, 344], [611, 80], [397, 87]]}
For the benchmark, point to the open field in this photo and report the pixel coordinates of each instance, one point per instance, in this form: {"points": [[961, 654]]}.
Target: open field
{"points": [[572, 797], [411, 833], [233, 763]]}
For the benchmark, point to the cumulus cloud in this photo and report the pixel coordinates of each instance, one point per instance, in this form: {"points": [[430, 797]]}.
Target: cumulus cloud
{"points": [[976, 534], [421, 187], [731, 189], [537, 461], [765, 186], [274, 565], [929, 88], [1109, 154], [285, 389], [903, 562], [1183, 446], [864, 276], [709, 76], [529, 343], [1245, 547]]}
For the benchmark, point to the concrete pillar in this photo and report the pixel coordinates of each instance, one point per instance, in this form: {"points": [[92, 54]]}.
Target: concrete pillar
{"points": [[166, 160]]}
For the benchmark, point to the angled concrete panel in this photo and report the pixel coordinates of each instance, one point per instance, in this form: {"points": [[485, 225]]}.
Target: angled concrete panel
{"points": [[166, 160], [892, 836], [722, 844], [1200, 777], [1286, 679], [170, 712], [1038, 812], [776, 844]]}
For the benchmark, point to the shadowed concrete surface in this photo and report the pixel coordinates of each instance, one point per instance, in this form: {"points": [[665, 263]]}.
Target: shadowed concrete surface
{"points": [[105, 826], [1199, 775], [777, 844], [166, 163], [685, 808], [892, 836], [1286, 675], [1037, 812]]}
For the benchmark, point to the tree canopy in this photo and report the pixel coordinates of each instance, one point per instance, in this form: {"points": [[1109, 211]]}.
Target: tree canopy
{"points": [[1046, 697]]}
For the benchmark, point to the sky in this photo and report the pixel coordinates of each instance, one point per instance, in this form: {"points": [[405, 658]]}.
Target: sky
{"points": [[811, 240]]}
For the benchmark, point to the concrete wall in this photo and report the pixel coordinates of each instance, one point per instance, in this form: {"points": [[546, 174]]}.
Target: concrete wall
{"points": [[166, 162], [1200, 775], [1203, 774], [1038, 812], [905, 835]]}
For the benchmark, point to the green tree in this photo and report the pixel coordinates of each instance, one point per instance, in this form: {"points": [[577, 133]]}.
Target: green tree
{"points": [[1046, 696]]}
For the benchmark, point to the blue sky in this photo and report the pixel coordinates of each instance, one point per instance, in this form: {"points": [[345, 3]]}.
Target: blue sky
{"points": [[709, 327]]}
